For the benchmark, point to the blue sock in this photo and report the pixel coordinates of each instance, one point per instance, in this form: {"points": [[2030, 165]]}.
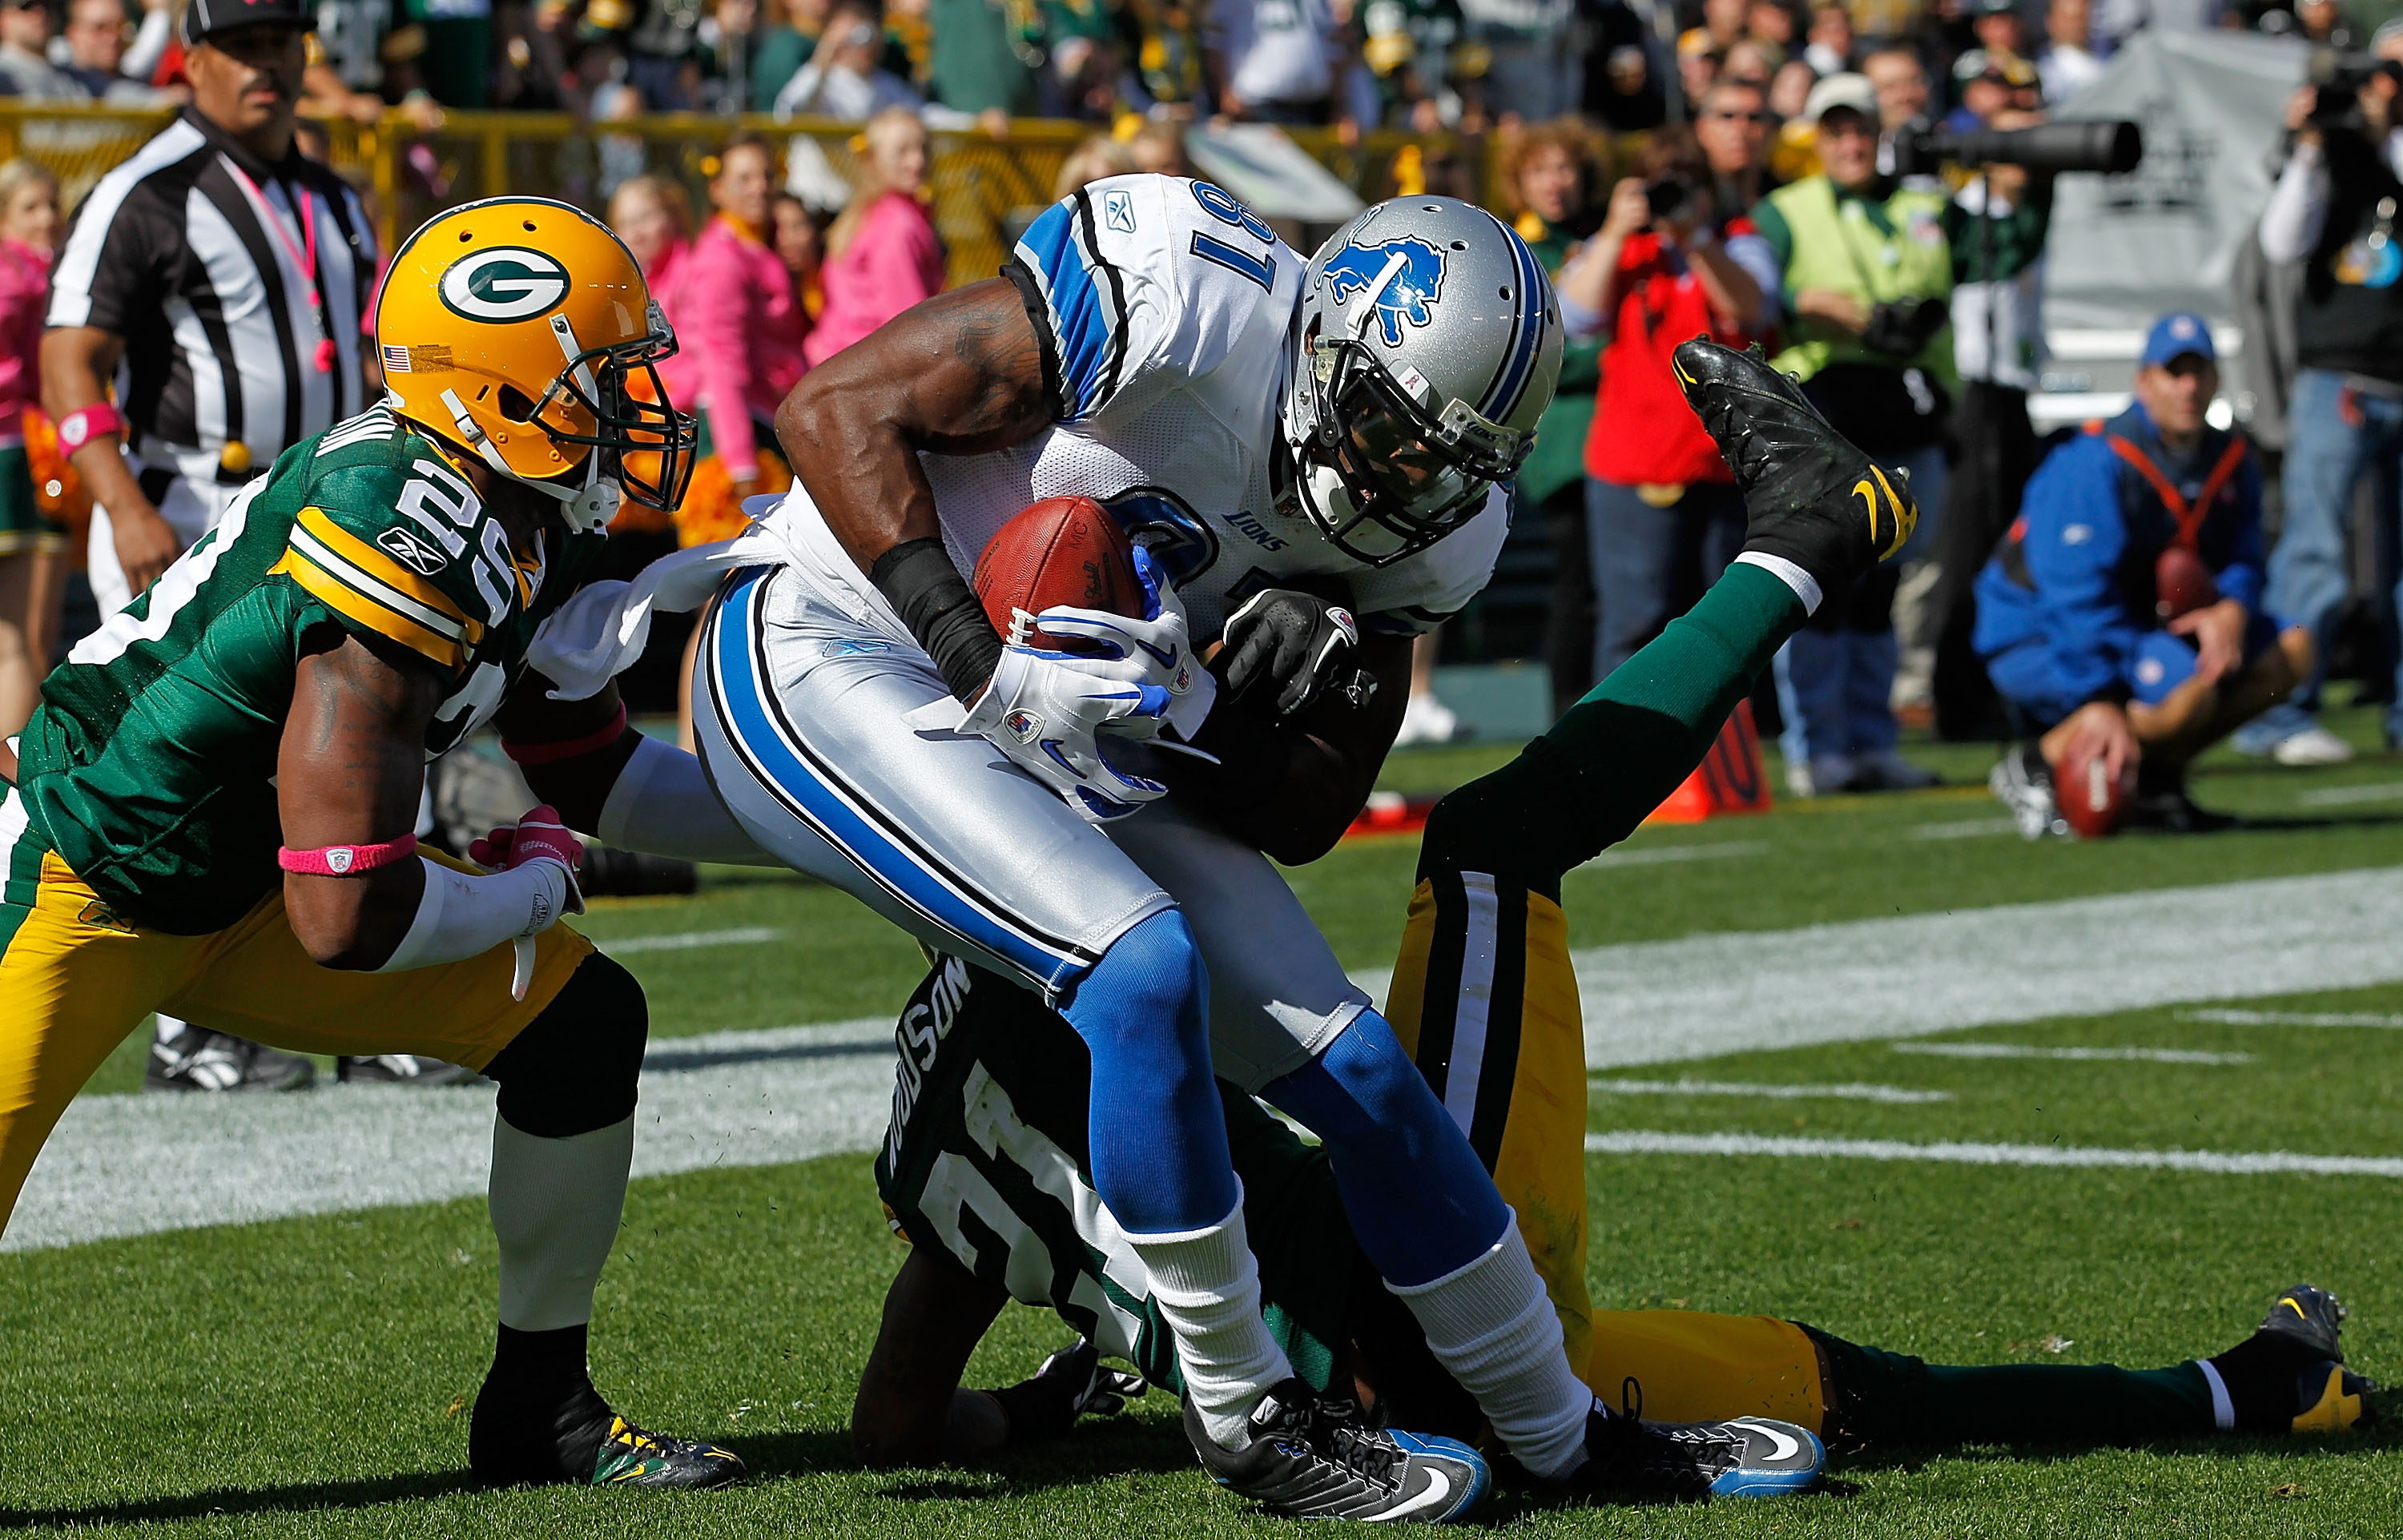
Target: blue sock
{"points": [[1158, 1135], [1418, 1197]]}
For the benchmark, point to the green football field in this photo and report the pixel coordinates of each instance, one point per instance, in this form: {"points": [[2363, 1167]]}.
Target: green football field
{"points": [[1990, 1193]]}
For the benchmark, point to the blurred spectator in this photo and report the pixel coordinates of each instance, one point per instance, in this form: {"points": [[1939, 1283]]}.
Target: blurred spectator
{"points": [[1789, 89], [651, 214], [1771, 22], [1545, 174], [662, 48], [1726, 23], [1531, 72], [845, 77], [26, 68], [1698, 65], [1880, 21], [1829, 50], [735, 313], [2067, 62], [454, 42], [2323, 24], [1866, 271], [1731, 124], [1408, 48], [1996, 225], [1999, 27], [33, 547], [1159, 149], [801, 247], [1662, 514], [2123, 615], [1168, 52], [1624, 86], [1751, 62], [1273, 59], [2387, 41], [97, 34], [882, 254], [1099, 156], [1992, 84], [986, 57], [789, 32], [2334, 209], [1900, 80]]}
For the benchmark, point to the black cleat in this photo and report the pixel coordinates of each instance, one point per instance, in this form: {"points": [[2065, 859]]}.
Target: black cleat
{"points": [[1314, 1456], [1811, 497], [2161, 803], [1630, 1460], [400, 1069], [632, 1456], [2289, 1376], [566, 1434], [198, 1060]]}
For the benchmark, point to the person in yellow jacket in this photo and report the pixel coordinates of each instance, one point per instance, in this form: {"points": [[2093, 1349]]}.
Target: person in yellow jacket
{"points": [[1866, 273]]}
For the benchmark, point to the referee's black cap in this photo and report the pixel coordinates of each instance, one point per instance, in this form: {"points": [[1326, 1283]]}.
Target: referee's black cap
{"points": [[202, 18]]}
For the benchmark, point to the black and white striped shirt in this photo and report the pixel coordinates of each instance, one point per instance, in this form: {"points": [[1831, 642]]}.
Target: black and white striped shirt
{"points": [[175, 252]]}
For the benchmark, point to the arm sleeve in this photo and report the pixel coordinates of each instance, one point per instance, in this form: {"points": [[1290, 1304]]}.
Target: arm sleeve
{"points": [[2297, 207], [2075, 538], [2244, 576]]}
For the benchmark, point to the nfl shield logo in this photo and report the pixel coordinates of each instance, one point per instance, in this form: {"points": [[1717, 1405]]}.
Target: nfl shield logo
{"points": [[338, 860], [1023, 725]]}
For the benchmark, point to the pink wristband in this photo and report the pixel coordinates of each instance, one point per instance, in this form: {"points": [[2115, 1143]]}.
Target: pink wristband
{"points": [[85, 424], [346, 860]]}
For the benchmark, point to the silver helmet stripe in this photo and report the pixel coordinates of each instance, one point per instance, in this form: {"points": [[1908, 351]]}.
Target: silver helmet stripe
{"points": [[1510, 380]]}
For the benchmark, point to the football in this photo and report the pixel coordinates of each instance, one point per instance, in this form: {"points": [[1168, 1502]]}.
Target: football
{"points": [[2181, 583], [1061, 550], [2093, 803]]}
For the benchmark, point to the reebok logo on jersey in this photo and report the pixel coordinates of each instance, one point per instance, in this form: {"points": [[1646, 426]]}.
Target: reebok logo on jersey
{"points": [[416, 554], [504, 283], [1118, 212], [1402, 277]]}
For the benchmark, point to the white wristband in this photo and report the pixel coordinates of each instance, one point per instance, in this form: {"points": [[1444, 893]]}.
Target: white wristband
{"points": [[663, 803], [460, 916]]}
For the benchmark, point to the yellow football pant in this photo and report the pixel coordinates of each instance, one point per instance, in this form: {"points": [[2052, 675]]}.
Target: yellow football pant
{"points": [[1485, 1003], [74, 979]]}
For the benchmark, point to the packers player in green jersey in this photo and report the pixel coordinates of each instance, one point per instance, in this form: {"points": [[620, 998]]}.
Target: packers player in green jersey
{"points": [[983, 1167], [210, 812]]}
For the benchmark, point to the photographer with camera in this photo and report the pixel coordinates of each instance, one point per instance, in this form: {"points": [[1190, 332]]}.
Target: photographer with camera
{"points": [[2335, 209], [1865, 270], [1662, 515]]}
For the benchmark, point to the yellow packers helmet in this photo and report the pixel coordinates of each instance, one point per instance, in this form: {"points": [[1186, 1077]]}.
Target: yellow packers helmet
{"points": [[521, 330]]}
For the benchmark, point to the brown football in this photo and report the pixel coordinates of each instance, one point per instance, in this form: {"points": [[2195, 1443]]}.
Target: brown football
{"points": [[2181, 583], [1061, 550], [2091, 801]]}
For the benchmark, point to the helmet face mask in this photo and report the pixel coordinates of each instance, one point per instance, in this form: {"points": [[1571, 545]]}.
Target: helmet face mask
{"points": [[1378, 476], [638, 439]]}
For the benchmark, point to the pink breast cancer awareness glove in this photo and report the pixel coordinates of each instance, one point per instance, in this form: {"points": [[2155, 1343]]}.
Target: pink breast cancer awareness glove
{"points": [[539, 836]]}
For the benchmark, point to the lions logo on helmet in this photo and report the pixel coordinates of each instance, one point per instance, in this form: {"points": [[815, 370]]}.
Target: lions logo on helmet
{"points": [[1406, 274], [521, 330]]}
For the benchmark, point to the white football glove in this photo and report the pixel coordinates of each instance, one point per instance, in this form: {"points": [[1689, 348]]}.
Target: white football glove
{"points": [[1048, 712], [1157, 650]]}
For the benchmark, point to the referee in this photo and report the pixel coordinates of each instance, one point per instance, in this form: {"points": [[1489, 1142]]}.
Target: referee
{"points": [[216, 278]]}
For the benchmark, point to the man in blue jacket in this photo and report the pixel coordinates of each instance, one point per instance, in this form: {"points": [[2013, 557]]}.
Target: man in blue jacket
{"points": [[2122, 615]]}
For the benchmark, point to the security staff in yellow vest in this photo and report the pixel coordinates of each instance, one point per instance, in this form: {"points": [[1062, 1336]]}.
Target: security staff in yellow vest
{"points": [[1867, 270]]}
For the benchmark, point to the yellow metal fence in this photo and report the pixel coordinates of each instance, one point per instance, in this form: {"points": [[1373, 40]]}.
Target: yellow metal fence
{"points": [[985, 188]]}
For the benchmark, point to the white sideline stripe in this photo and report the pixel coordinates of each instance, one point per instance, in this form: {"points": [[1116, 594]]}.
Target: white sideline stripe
{"points": [[2216, 1162], [1657, 856], [2339, 797], [740, 936], [1966, 828], [2293, 1017], [128, 1165], [1852, 1091], [2021, 1051]]}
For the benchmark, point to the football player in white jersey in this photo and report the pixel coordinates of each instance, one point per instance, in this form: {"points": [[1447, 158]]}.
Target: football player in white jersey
{"points": [[1261, 425]]}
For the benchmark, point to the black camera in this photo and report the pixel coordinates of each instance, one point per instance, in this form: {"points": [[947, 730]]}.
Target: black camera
{"points": [[1669, 197], [2108, 146], [2339, 78]]}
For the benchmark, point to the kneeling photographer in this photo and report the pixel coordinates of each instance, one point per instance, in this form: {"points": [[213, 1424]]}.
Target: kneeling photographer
{"points": [[2335, 210]]}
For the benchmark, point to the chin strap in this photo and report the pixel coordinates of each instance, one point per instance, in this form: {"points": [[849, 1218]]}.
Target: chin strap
{"points": [[588, 509]]}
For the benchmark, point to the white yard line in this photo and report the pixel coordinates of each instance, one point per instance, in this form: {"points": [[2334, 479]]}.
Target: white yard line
{"points": [[1848, 1092], [2343, 796], [2019, 1050], [127, 1165], [2216, 1162], [1660, 854], [1967, 828], [740, 936], [2293, 1017]]}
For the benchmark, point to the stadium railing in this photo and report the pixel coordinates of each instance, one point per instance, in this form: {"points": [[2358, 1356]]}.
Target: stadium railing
{"points": [[985, 188]]}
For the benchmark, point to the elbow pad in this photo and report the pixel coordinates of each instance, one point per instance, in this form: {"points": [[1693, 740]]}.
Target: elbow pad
{"points": [[663, 803], [460, 916]]}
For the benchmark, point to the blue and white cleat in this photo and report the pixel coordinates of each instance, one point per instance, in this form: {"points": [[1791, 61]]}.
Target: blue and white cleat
{"points": [[1314, 1456], [1632, 1460]]}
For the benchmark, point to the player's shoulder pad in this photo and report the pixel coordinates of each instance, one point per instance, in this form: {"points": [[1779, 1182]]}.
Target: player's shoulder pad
{"points": [[387, 535]]}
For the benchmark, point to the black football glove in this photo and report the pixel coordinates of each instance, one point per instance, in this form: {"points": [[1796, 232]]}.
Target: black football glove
{"points": [[1289, 641], [1072, 1384]]}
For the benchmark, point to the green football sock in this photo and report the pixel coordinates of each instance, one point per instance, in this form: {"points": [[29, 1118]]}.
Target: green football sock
{"points": [[1584, 786], [1880, 1397]]}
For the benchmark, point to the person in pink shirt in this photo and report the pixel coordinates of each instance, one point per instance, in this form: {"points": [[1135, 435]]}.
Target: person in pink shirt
{"points": [[736, 316], [882, 254], [33, 546]]}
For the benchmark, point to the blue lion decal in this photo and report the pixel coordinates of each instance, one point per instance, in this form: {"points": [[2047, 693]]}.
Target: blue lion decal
{"points": [[1417, 285]]}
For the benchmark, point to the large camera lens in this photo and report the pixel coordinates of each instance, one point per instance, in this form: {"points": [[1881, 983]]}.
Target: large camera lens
{"points": [[2099, 146]]}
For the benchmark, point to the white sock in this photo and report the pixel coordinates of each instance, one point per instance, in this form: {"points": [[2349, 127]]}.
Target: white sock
{"points": [[1208, 1288], [1491, 1326], [555, 1208]]}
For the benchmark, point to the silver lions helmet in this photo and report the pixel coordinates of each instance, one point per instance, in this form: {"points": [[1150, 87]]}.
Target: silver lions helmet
{"points": [[1429, 343]]}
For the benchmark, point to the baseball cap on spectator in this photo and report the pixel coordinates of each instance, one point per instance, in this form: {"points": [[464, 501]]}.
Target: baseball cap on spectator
{"points": [[2174, 335], [2001, 68], [1993, 8], [2389, 35], [1848, 90], [1694, 41], [202, 18]]}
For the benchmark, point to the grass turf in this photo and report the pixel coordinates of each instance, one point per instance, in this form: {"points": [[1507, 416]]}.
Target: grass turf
{"points": [[309, 1377]]}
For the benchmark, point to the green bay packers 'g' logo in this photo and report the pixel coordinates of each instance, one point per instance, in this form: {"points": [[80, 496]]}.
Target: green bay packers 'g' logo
{"points": [[504, 283]]}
